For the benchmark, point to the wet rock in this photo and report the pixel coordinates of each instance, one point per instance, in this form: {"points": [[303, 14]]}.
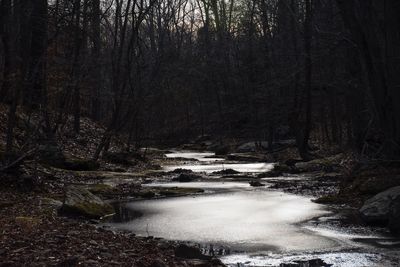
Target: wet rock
{"points": [[186, 177], [180, 170], [80, 202], [394, 217], [226, 172], [256, 184], [376, 210], [187, 252]]}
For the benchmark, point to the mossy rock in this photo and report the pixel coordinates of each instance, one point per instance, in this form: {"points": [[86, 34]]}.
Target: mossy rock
{"points": [[179, 191], [89, 210], [102, 189], [80, 202]]}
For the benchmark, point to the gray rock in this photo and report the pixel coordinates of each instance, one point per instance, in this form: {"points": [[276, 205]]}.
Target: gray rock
{"points": [[376, 210], [186, 177], [256, 184], [327, 164], [80, 202]]}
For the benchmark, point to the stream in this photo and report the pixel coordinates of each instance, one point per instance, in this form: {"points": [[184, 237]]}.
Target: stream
{"points": [[254, 226]]}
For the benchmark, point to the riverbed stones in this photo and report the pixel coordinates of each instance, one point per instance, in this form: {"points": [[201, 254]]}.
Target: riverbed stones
{"points": [[376, 210], [80, 202]]}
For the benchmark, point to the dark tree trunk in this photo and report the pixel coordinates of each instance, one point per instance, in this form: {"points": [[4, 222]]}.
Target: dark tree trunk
{"points": [[303, 146], [96, 63]]}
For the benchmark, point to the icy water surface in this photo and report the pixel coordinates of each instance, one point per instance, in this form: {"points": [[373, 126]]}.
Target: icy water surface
{"points": [[243, 218]]}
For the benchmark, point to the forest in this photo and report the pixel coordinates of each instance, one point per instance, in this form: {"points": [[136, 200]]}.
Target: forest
{"points": [[116, 114]]}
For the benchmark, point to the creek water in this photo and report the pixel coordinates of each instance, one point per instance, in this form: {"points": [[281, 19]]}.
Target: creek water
{"points": [[260, 226]]}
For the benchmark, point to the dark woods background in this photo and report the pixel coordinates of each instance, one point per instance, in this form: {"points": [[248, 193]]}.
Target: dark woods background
{"points": [[322, 72]]}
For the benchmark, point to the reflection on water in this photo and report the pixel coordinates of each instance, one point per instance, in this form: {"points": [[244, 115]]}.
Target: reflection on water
{"points": [[123, 214]]}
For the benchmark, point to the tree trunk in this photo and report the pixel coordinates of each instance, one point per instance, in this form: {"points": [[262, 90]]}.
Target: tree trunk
{"points": [[303, 146]]}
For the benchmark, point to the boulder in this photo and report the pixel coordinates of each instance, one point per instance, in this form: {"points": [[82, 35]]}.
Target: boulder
{"points": [[394, 217], [376, 210], [328, 164], [80, 202], [186, 177], [256, 184], [180, 170], [226, 172]]}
